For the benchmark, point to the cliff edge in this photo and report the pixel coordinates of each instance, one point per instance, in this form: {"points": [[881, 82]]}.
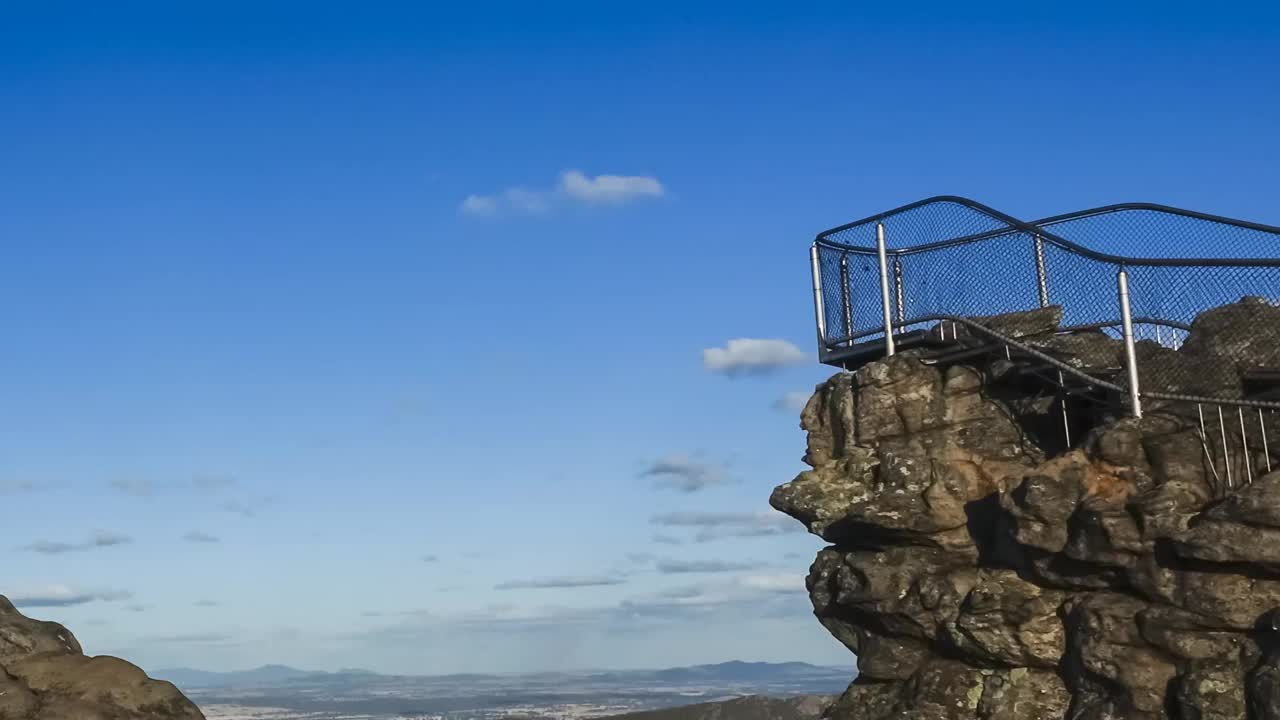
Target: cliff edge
{"points": [[982, 566], [45, 676]]}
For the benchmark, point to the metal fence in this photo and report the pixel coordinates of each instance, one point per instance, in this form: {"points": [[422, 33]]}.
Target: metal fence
{"points": [[1190, 302]]}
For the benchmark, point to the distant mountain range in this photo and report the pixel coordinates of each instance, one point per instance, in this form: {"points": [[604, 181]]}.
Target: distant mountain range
{"points": [[733, 672], [265, 675], [754, 707], [721, 674]]}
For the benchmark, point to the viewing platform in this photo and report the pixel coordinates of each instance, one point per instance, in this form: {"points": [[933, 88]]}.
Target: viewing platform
{"points": [[1118, 310]]}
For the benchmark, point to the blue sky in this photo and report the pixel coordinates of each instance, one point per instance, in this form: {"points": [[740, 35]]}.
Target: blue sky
{"points": [[275, 390]]}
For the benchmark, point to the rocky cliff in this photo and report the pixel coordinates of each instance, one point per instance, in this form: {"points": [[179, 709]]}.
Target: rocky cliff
{"points": [[45, 676], [981, 566]]}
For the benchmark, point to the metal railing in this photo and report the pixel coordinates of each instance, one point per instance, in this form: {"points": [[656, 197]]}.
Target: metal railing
{"points": [[1191, 300]]}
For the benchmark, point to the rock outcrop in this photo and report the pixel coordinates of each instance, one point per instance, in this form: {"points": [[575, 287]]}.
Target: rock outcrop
{"points": [[45, 676], [980, 568]]}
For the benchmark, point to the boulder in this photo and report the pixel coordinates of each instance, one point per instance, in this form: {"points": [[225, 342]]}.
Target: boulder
{"points": [[1006, 621], [21, 636], [1242, 531], [1025, 323], [1246, 333], [44, 676], [1092, 350]]}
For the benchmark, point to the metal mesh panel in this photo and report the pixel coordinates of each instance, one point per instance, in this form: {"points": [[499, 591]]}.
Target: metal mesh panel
{"points": [[916, 225], [1084, 287], [932, 286], [1204, 292], [1156, 233], [1229, 334]]}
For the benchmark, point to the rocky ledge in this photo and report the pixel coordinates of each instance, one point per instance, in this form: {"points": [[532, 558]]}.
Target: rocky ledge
{"points": [[980, 569], [45, 676]]}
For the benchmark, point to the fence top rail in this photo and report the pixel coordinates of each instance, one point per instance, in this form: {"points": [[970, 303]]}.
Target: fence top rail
{"points": [[1045, 230]]}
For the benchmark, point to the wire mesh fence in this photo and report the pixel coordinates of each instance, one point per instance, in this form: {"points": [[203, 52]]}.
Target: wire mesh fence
{"points": [[1203, 292]]}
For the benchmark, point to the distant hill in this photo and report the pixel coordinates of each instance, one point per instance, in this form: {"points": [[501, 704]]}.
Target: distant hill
{"points": [[736, 677], [738, 671], [730, 673], [754, 707], [265, 675], [721, 674]]}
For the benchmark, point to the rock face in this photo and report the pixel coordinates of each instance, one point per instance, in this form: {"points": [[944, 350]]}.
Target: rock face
{"points": [[44, 676], [978, 571]]}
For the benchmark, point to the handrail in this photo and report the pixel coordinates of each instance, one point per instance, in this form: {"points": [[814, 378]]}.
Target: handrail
{"points": [[1155, 207], [1037, 229], [916, 320], [971, 204]]}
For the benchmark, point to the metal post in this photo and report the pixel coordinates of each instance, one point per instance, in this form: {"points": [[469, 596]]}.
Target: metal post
{"points": [[1208, 454], [1130, 353], [1244, 441], [897, 289], [844, 299], [1066, 425], [1226, 454], [884, 290], [1042, 280], [819, 312], [1266, 452]]}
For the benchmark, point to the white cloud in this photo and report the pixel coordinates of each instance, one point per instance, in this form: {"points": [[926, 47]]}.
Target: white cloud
{"points": [[608, 189], [196, 536], [61, 596], [141, 487], [192, 638], [726, 602], [681, 567], [479, 205], [715, 526], [682, 472], [743, 356], [774, 583], [248, 506], [134, 486], [792, 402], [573, 187], [99, 539], [104, 538], [46, 547], [559, 582], [212, 482], [516, 200], [528, 202]]}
